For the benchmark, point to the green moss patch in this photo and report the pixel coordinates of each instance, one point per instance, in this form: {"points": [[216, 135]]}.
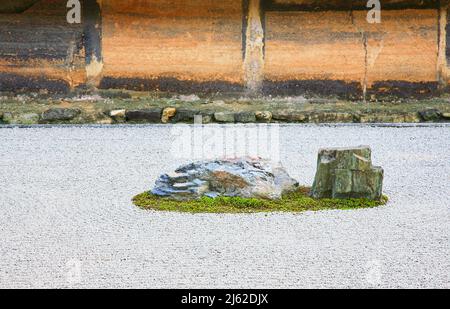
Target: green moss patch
{"points": [[293, 202]]}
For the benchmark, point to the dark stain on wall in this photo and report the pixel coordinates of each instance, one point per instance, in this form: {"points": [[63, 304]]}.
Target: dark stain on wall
{"points": [[19, 83], [309, 88], [342, 5], [16, 6], [171, 85], [402, 89], [351, 91], [43, 37]]}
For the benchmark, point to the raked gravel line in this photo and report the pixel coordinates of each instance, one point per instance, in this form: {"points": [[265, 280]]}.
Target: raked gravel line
{"points": [[66, 219]]}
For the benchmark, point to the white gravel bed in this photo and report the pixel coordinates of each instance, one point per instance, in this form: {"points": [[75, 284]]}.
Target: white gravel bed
{"points": [[66, 217]]}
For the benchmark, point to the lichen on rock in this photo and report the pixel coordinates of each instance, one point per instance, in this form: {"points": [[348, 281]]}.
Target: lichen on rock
{"points": [[347, 173], [246, 178]]}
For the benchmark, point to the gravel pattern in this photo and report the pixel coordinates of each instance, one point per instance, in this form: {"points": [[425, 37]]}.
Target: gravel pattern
{"points": [[66, 217]]}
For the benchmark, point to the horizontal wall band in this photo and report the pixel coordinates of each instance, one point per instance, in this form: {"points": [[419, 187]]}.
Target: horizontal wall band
{"points": [[343, 5], [170, 85], [19, 83]]}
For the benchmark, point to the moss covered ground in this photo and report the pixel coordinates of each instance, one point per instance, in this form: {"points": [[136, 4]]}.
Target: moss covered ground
{"points": [[298, 201]]}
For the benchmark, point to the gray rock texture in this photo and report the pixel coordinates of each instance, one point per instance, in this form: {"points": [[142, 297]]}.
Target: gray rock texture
{"points": [[245, 117], [185, 115], [152, 115], [247, 178], [347, 173], [224, 117], [60, 114], [24, 119], [430, 114]]}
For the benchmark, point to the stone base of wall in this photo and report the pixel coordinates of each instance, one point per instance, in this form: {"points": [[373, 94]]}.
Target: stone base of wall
{"points": [[118, 107]]}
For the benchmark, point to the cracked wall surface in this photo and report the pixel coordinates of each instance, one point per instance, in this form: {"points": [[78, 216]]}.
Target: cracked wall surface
{"points": [[343, 46]]}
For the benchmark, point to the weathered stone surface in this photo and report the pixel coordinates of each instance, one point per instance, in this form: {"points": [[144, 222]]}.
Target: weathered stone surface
{"points": [[224, 117], [247, 178], [347, 173], [265, 116], [146, 115], [290, 116], [189, 116], [25, 119], [218, 102], [245, 117], [208, 117], [430, 115], [388, 118], [60, 114], [118, 115], [446, 116], [168, 113], [185, 115], [189, 98], [330, 117]]}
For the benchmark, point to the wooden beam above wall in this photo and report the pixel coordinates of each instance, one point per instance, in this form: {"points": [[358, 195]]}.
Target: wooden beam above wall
{"points": [[345, 5]]}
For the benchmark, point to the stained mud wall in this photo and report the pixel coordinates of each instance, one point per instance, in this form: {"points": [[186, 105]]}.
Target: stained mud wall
{"points": [[172, 45], [39, 50], [285, 47], [340, 52]]}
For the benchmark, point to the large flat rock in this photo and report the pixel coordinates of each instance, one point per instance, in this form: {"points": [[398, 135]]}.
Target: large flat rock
{"points": [[246, 178]]}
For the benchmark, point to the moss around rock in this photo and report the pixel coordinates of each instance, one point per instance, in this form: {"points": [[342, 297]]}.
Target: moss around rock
{"points": [[297, 201]]}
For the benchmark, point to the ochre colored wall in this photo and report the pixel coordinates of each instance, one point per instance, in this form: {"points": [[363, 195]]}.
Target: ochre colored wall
{"points": [[403, 47], [343, 46], [39, 49], [313, 45], [274, 46], [193, 40]]}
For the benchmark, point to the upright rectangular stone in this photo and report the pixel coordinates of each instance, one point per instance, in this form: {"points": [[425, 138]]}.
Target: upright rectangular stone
{"points": [[347, 173]]}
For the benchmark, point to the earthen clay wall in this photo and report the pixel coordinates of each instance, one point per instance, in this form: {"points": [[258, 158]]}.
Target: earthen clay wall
{"points": [[271, 46]]}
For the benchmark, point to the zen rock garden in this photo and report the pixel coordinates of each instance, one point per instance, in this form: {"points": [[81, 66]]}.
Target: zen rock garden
{"points": [[345, 179]]}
